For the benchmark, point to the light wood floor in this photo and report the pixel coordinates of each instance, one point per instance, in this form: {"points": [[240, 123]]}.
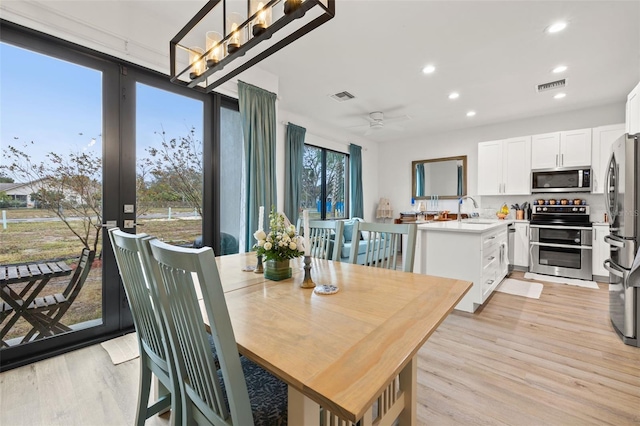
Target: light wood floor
{"points": [[516, 361]]}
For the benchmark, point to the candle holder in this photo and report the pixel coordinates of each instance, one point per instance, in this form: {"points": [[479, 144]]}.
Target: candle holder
{"points": [[307, 282], [259, 269]]}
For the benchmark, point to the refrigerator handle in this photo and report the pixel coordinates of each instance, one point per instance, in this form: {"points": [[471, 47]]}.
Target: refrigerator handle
{"points": [[614, 271], [614, 241], [607, 187]]}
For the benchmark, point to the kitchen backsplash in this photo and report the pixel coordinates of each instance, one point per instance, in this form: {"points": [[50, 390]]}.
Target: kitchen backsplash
{"points": [[489, 205]]}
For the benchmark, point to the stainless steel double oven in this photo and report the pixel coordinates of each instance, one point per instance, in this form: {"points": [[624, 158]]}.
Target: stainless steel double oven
{"points": [[560, 241]]}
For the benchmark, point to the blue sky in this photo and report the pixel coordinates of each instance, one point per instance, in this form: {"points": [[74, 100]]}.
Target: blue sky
{"points": [[58, 106]]}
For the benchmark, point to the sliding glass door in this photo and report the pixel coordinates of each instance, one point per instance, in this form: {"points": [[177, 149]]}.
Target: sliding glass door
{"points": [[53, 173], [169, 165], [89, 144]]}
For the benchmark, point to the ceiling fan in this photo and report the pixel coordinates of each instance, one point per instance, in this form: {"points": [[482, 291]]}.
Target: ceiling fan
{"points": [[377, 123]]}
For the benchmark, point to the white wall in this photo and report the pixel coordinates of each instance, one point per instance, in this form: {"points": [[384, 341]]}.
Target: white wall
{"points": [[395, 159]]}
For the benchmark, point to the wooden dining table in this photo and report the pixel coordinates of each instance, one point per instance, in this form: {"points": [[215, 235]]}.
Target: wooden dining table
{"points": [[344, 353]]}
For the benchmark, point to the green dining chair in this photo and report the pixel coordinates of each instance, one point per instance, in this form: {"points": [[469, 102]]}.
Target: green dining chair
{"points": [[325, 238], [382, 243], [240, 393], [152, 338]]}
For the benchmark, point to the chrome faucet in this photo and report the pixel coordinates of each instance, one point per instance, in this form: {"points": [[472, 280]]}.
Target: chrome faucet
{"points": [[460, 200]]}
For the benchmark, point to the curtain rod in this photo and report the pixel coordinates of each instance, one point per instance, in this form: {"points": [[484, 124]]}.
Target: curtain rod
{"points": [[286, 123]]}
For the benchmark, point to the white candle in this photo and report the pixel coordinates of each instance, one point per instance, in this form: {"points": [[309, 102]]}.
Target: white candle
{"points": [[261, 219], [307, 245]]}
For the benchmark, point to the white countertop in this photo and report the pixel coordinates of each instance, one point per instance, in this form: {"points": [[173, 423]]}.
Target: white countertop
{"points": [[466, 225]]}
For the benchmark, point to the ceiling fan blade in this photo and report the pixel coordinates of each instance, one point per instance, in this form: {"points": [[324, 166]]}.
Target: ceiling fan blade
{"points": [[398, 119], [357, 126], [394, 127]]}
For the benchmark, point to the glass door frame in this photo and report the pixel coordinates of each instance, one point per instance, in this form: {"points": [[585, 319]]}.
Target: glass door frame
{"points": [[119, 171]]}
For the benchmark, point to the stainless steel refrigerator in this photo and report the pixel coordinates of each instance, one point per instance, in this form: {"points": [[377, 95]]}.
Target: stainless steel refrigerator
{"points": [[622, 200]]}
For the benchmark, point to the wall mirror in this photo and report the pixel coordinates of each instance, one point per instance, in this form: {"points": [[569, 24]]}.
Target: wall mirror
{"points": [[444, 177]]}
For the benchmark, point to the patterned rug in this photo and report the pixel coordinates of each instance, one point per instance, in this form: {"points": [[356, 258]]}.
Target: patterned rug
{"points": [[561, 280], [528, 289], [122, 349]]}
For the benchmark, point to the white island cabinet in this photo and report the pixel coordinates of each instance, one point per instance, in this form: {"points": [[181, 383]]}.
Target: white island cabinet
{"points": [[467, 250]]}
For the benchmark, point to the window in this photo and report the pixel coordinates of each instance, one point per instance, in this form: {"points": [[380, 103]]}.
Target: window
{"points": [[324, 183]]}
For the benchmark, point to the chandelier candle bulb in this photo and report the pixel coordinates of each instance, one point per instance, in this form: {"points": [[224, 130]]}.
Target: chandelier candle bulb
{"points": [[214, 48], [261, 218], [307, 244], [260, 24], [291, 6], [195, 57], [234, 42]]}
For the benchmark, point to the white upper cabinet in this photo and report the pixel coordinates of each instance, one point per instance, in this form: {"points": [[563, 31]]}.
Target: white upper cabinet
{"points": [[633, 111], [561, 149], [490, 168], [603, 138], [545, 151], [504, 167]]}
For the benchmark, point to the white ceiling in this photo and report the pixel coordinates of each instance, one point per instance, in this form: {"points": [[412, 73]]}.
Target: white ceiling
{"points": [[493, 53]]}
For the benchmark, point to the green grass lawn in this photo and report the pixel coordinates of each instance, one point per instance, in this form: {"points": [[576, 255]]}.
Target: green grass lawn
{"points": [[43, 241]]}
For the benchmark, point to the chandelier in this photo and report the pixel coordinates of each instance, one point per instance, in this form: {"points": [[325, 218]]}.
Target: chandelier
{"points": [[227, 37]]}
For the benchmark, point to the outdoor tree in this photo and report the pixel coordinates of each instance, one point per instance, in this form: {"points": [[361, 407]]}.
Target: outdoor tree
{"points": [[311, 177], [5, 179], [173, 172], [69, 186]]}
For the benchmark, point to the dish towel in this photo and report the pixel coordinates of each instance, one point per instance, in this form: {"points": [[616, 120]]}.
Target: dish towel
{"points": [[634, 273], [505, 251]]}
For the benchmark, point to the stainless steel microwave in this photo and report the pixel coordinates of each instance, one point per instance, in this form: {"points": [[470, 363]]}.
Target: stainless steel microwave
{"points": [[568, 179]]}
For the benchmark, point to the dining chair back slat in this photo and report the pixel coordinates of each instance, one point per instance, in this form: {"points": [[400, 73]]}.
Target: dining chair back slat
{"points": [[177, 271], [129, 251], [325, 238], [383, 242]]}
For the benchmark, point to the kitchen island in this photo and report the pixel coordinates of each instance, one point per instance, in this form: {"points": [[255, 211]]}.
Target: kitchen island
{"points": [[474, 250]]}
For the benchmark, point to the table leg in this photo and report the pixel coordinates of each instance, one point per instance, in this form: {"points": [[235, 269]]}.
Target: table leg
{"points": [[302, 410], [409, 385]]}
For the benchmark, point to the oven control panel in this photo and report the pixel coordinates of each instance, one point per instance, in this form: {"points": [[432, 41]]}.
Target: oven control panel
{"points": [[561, 209]]}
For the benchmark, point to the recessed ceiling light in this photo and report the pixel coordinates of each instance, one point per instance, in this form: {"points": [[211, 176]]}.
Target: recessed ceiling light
{"points": [[559, 69], [557, 27], [428, 69], [471, 113], [560, 96], [454, 95]]}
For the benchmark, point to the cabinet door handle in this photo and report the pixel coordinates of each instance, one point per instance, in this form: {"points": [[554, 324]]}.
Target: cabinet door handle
{"points": [[556, 160], [561, 159]]}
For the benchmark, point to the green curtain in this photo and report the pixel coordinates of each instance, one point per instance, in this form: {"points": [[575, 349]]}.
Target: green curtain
{"points": [[420, 180], [293, 150], [460, 176], [355, 180], [258, 115]]}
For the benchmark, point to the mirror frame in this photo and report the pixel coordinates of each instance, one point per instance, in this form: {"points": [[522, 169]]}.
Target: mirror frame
{"points": [[434, 160]]}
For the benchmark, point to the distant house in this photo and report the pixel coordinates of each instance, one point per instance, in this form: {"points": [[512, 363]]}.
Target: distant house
{"points": [[20, 192]]}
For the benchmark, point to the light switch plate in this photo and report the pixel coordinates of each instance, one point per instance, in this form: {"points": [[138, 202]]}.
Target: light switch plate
{"points": [[128, 208]]}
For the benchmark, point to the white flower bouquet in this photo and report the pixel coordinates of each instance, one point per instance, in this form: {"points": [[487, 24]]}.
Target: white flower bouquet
{"points": [[281, 243]]}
